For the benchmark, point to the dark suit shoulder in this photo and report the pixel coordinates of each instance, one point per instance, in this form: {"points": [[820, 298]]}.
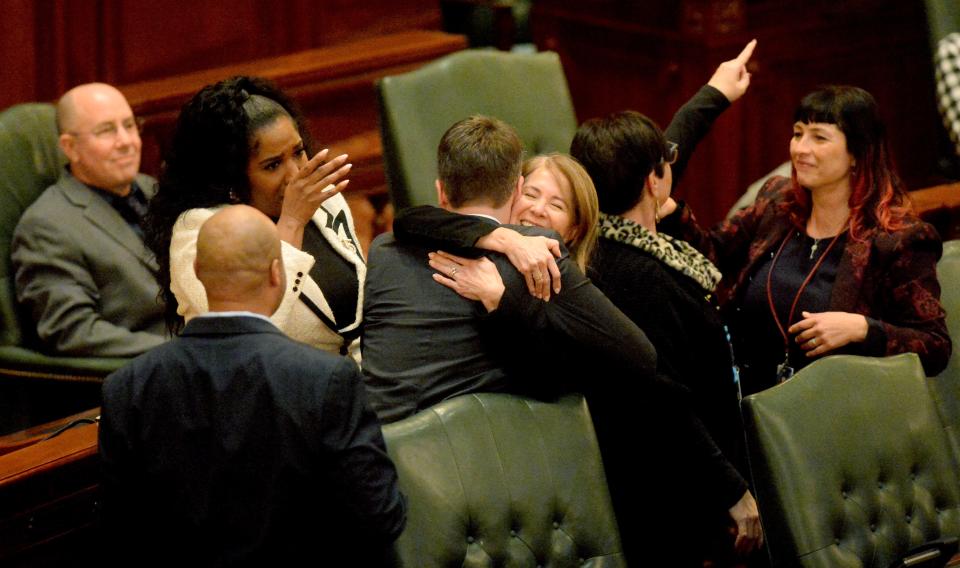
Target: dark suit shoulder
{"points": [[48, 208], [294, 358], [381, 240]]}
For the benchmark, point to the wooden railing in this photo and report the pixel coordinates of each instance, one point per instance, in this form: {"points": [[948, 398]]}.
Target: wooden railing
{"points": [[940, 206]]}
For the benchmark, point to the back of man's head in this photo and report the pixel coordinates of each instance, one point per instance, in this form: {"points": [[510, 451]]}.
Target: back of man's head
{"points": [[239, 262], [478, 161]]}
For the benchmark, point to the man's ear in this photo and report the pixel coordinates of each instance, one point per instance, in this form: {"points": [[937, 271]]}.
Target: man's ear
{"points": [[68, 145], [441, 195], [277, 274], [519, 185]]}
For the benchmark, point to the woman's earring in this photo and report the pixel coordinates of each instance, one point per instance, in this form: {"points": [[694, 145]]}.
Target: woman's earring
{"points": [[234, 198]]}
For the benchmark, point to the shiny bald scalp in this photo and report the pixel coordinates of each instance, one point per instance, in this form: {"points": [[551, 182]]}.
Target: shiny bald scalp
{"points": [[239, 261], [67, 105]]}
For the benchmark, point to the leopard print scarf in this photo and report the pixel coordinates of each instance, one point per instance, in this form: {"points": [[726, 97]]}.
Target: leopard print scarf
{"points": [[675, 253]]}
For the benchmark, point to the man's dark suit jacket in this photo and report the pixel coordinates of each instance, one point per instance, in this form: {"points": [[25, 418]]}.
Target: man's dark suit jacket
{"points": [[423, 343], [235, 444]]}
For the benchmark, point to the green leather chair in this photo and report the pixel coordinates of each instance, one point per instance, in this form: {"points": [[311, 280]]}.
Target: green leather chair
{"points": [[500, 480], [851, 463], [528, 91], [31, 161], [945, 387]]}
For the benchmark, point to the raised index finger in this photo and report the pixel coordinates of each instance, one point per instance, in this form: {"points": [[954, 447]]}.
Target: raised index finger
{"points": [[746, 53]]}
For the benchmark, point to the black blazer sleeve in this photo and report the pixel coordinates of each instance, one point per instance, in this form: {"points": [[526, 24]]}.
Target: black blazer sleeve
{"points": [[580, 317], [435, 227], [692, 122]]}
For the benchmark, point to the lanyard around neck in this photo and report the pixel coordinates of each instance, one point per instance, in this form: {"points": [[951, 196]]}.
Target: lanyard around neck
{"points": [[796, 299]]}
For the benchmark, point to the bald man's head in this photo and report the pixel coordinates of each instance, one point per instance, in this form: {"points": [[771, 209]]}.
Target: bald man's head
{"points": [[239, 262], [99, 135]]}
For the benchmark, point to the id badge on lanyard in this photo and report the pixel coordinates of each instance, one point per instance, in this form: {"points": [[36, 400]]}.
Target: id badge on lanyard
{"points": [[784, 370]]}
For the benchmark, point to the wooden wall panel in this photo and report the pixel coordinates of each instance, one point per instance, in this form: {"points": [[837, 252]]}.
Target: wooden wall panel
{"points": [[48, 46], [18, 71], [369, 18], [147, 42]]}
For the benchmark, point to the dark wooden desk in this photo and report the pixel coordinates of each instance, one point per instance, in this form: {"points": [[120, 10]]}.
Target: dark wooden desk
{"points": [[48, 495], [19, 440]]}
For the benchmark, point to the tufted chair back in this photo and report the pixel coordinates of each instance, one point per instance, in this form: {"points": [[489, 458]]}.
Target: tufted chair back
{"points": [[851, 463], [945, 387], [31, 162], [527, 91], [500, 480]]}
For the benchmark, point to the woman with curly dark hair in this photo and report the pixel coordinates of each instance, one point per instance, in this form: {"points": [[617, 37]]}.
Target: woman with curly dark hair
{"points": [[243, 141], [831, 260]]}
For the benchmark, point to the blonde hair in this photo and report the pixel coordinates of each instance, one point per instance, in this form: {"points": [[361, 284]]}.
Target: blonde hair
{"points": [[586, 211]]}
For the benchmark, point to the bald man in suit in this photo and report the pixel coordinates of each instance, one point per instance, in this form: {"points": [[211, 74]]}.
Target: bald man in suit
{"points": [[80, 263], [236, 444]]}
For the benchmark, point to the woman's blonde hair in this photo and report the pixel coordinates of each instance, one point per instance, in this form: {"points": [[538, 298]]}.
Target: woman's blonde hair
{"points": [[586, 211]]}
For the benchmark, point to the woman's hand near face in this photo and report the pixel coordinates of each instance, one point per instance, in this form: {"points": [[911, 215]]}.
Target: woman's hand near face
{"points": [[731, 77], [823, 332], [474, 279], [533, 256], [314, 183]]}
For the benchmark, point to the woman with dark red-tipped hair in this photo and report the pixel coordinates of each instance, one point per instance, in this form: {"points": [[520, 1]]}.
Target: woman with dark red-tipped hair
{"points": [[830, 261]]}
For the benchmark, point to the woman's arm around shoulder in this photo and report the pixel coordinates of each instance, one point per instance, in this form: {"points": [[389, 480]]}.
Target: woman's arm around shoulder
{"points": [[436, 227], [533, 256]]}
